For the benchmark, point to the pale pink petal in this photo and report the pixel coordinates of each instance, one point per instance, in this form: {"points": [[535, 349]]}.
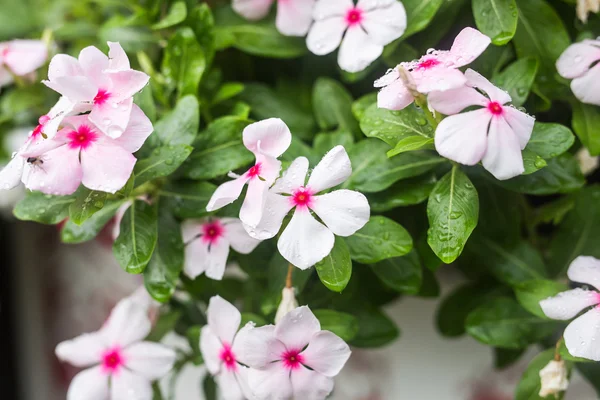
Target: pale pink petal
{"points": [[216, 259], [223, 318], [211, 347], [229, 386], [10, 176], [358, 50], [258, 347], [112, 118], [237, 236], [191, 229], [227, 193], [325, 35], [343, 211], [106, 166], [252, 9], [467, 46], [585, 269], [333, 169], [293, 177], [61, 109], [270, 167], [254, 203], [581, 336], [118, 59], [521, 124], [272, 382], [63, 65], [39, 147], [294, 17], [368, 5], [463, 137], [296, 328], [59, 172], [503, 156], [126, 83], [326, 353], [587, 87], [137, 131], [395, 96], [391, 76], [331, 8], [82, 351], [438, 79], [75, 88], [310, 385], [150, 360], [495, 94], [127, 385], [196, 257], [128, 323], [89, 384], [242, 380], [271, 137], [566, 305], [577, 59], [276, 208], [385, 24], [453, 101], [25, 56], [94, 62]]}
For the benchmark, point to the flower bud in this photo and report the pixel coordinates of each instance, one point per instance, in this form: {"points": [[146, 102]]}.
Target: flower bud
{"points": [[288, 303], [587, 162], [554, 378]]}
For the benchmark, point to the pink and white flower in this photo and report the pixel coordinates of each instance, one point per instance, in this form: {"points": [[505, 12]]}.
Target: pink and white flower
{"points": [[207, 243], [494, 134], [80, 153], [293, 16], [121, 365], [20, 58], [435, 71], [100, 84], [267, 139], [293, 359], [368, 26], [579, 62], [220, 349], [581, 334], [305, 241]]}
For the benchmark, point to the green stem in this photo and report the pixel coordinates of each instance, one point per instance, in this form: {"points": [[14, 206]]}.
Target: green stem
{"points": [[421, 102]]}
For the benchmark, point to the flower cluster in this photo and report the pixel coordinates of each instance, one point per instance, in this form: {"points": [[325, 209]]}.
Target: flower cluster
{"points": [[293, 359], [363, 29], [90, 134], [20, 58]]}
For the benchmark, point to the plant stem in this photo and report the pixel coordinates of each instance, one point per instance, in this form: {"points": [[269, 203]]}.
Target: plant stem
{"points": [[556, 349], [288, 279], [421, 102]]}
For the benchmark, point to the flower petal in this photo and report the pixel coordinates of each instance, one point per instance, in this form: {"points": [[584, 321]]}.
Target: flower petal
{"points": [[310, 385], [257, 347], [581, 336], [467, 46], [126, 83], [118, 59], [294, 17], [326, 353], [566, 305], [296, 328], [326, 35], [271, 137], [577, 59], [216, 259], [254, 202], [89, 384], [252, 9], [229, 386], [276, 208], [112, 118], [358, 50], [150, 360], [25, 56], [474, 79], [585, 269], [211, 347], [587, 87], [331, 8], [57, 113], [94, 63], [106, 166], [453, 101], [82, 351], [385, 24], [521, 124], [237, 236], [333, 169], [227, 193], [272, 382], [10, 176], [242, 380], [127, 385], [438, 78], [63, 65], [463, 137], [137, 131], [223, 318], [196, 256], [59, 172], [343, 211], [128, 323], [75, 88], [305, 241], [395, 96], [368, 5], [503, 156], [293, 177]]}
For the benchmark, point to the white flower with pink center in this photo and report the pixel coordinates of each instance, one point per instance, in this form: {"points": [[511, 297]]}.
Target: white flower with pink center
{"points": [[100, 84], [267, 140], [579, 62], [121, 365], [435, 71], [581, 335], [306, 241], [294, 359], [220, 349], [80, 153], [207, 243], [362, 29], [494, 133], [293, 16], [20, 58]]}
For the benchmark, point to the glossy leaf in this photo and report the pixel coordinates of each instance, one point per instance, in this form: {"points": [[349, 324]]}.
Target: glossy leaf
{"points": [[403, 274], [407, 192], [517, 79], [586, 120], [375, 329], [393, 126], [86, 204], [381, 238], [549, 140], [332, 106], [496, 19], [177, 13], [187, 199], [419, 14], [91, 227], [43, 208], [335, 269], [184, 62], [342, 324], [530, 293], [163, 161], [180, 126]]}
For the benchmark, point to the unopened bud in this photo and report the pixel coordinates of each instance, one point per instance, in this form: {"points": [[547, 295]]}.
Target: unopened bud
{"points": [[587, 162], [554, 378], [288, 303]]}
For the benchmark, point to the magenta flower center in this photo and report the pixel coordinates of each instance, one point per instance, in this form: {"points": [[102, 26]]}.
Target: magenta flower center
{"points": [[429, 63], [292, 359], [101, 97], [82, 138], [212, 232], [302, 197], [354, 16], [255, 171], [112, 360], [43, 120], [495, 108], [228, 358]]}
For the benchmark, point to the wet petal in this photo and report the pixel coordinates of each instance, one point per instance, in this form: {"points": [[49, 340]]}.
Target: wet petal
{"points": [[223, 318], [75, 88], [477, 80], [439, 79], [331, 8], [227, 193], [326, 353], [254, 202], [196, 258], [272, 382], [276, 208], [333, 169], [310, 385], [577, 59], [10, 176], [271, 137], [106, 166], [63, 65], [385, 24], [296, 328], [216, 259], [293, 177], [503, 156], [237, 236], [358, 50], [150, 360], [566, 305], [126, 83], [118, 59], [453, 101], [57, 172], [294, 17], [463, 137], [137, 131], [395, 96], [326, 35], [89, 384], [211, 347], [229, 386], [343, 211], [587, 87], [112, 118], [467, 46], [258, 347], [94, 62], [585, 269], [581, 336], [127, 385], [520, 123]]}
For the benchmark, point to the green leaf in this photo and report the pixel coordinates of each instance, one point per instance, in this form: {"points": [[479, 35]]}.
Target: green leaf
{"points": [[532, 162], [412, 143], [184, 62], [43, 208], [177, 13], [452, 210], [375, 329], [502, 322], [90, 228], [419, 14], [86, 204], [397, 52], [227, 91], [549, 140], [586, 124], [166, 323], [255, 318], [393, 126], [326, 141], [145, 101], [210, 387], [496, 19], [332, 105], [342, 324], [379, 239], [402, 274], [553, 212], [193, 335], [530, 384], [187, 199], [530, 293], [504, 358], [163, 161], [202, 22], [519, 76], [180, 126], [335, 269], [360, 106], [137, 239], [407, 192]]}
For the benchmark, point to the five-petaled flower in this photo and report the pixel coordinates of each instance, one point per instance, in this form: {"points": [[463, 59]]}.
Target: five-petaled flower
{"points": [[435, 71], [20, 58], [581, 334], [305, 241], [293, 359], [494, 134], [580, 63], [207, 243], [122, 366], [293, 16], [368, 26], [267, 139]]}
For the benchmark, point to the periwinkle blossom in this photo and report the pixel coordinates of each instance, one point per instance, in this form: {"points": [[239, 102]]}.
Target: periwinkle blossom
{"points": [[305, 241], [584, 7], [267, 140], [579, 62], [220, 349], [293, 16], [293, 359], [362, 29], [20, 58], [494, 133], [207, 243], [100, 84], [582, 334], [435, 71], [120, 364]]}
